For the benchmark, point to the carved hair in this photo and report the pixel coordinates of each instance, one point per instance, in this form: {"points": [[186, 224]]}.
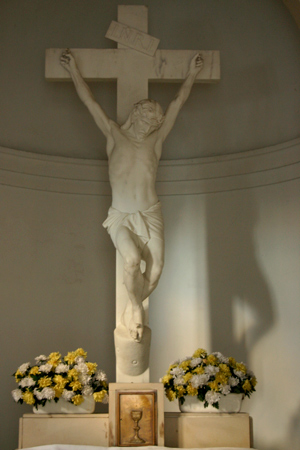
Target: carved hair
{"points": [[141, 109]]}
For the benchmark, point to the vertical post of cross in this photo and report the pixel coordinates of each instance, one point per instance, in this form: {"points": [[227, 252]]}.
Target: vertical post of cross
{"points": [[129, 92]]}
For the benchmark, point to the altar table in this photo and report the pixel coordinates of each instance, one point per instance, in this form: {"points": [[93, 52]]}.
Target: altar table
{"points": [[91, 431], [89, 447]]}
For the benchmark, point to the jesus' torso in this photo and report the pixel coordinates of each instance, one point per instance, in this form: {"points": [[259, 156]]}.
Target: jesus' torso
{"points": [[132, 170]]}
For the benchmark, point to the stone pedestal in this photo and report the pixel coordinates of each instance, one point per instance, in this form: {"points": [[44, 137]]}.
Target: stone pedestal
{"points": [[205, 430], [181, 430]]}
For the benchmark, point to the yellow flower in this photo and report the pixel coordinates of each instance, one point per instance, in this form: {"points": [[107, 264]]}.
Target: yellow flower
{"points": [[180, 391], [70, 358], [187, 377], [76, 385], [221, 378], [80, 352], [77, 399], [28, 397], [54, 355], [34, 371], [241, 367], [45, 382], [214, 385], [99, 396], [253, 381], [199, 370], [200, 353], [211, 359], [185, 364], [225, 369], [192, 390], [72, 374], [170, 395], [19, 375], [60, 381], [247, 386], [166, 378], [58, 391], [232, 362], [92, 367]]}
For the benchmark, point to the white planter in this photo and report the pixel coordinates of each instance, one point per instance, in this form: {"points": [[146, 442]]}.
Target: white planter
{"points": [[230, 403], [64, 407]]}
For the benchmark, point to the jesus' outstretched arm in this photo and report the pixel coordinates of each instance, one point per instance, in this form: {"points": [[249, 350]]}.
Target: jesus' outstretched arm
{"points": [[175, 106], [67, 60]]}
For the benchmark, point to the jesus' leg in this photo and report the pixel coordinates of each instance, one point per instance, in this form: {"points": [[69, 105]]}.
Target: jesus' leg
{"points": [[153, 255], [133, 316]]}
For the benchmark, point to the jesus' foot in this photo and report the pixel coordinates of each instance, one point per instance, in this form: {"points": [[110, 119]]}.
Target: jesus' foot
{"points": [[133, 319], [135, 325]]}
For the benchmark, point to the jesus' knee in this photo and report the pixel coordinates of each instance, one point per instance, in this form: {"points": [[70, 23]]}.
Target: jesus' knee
{"points": [[132, 264]]}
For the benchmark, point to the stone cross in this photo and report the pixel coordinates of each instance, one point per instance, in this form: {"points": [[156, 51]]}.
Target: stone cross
{"points": [[133, 70]]}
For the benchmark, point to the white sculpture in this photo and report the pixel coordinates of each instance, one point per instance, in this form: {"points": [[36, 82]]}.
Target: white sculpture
{"points": [[134, 220]]}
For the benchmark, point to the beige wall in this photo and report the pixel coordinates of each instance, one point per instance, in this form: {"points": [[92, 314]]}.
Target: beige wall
{"points": [[231, 279]]}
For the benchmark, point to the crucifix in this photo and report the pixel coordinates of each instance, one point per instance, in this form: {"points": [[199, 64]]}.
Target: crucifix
{"points": [[133, 68]]}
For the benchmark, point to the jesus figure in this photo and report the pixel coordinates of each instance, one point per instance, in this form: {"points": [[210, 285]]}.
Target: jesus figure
{"points": [[134, 221]]}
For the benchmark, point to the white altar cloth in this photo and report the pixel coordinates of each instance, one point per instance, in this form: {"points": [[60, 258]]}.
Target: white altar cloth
{"points": [[92, 447]]}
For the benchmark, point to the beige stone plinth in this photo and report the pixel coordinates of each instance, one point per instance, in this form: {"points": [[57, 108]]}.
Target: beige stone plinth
{"points": [[77, 429], [202, 430], [181, 430]]}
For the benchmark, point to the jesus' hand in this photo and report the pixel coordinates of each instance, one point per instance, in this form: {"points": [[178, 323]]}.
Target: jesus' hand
{"points": [[196, 64], [67, 60]]}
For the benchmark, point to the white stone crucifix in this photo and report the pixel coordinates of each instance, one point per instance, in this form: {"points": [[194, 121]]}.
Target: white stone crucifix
{"points": [[133, 70]]}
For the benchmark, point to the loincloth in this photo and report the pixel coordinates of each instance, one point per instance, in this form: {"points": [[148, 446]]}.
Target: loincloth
{"points": [[144, 224]]}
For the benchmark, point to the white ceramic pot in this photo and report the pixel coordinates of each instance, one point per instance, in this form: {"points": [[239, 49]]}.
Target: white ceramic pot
{"points": [[230, 403], [64, 407]]}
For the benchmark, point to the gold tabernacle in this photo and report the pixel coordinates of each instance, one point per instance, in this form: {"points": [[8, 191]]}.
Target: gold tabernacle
{"points": [[136, 418]]}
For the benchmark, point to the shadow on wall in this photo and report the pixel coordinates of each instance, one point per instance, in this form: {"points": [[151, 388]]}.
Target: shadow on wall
{"points": [[240, 302]]}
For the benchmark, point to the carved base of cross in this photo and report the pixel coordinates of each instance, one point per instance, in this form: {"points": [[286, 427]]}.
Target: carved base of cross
{"points": [[132, 358]]}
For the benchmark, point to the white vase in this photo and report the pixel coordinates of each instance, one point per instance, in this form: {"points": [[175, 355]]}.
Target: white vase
{"points": [[230, 403], [65, 407]]}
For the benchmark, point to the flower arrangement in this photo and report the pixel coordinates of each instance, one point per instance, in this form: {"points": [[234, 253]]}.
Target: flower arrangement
{"points": [[207, 376], [53, 377]]}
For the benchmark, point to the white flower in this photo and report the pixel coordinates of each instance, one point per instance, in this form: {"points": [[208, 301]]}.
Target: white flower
{"points": [[84, 379], [195, 362], [38, 394], [239, 374], [67, 395], [23, 367], [87, 390], [177, 372], [81, 367], [225, 389], [40, 358], [101, 376], [212, 397], [175, 362], [48, 393], [211, 370], [79, 359], [62, 368], [45, 368], [184, 359], [223, 359], [233, 381], [27, 382], [17, 394], [199, 380], [179, 381], [105, 399]]}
